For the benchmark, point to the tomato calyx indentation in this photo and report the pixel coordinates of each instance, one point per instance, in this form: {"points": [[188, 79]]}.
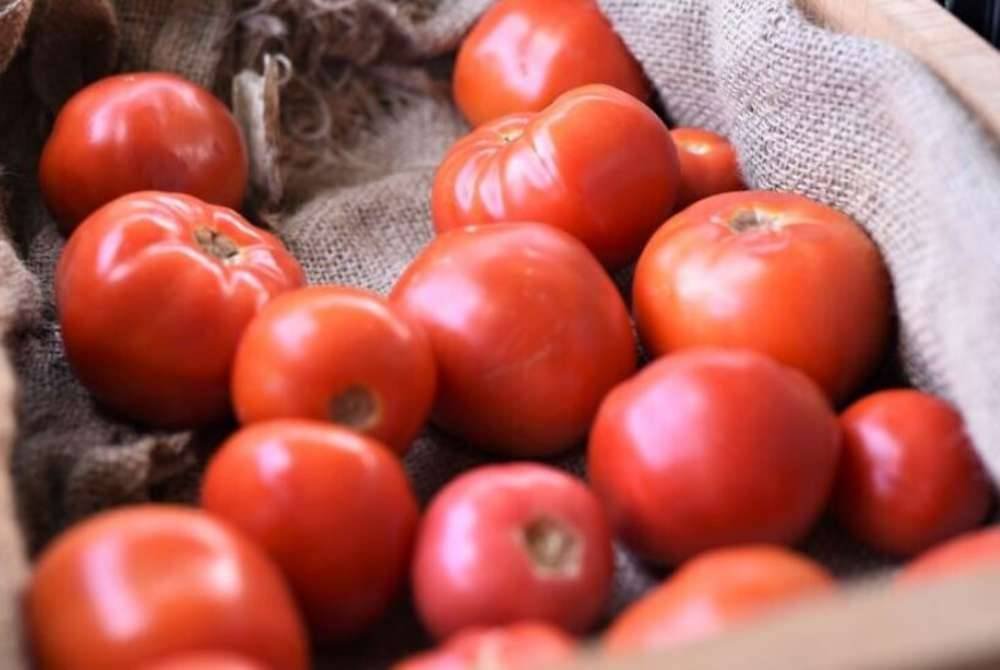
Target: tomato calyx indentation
{"points": [[355, 407], [555, 549], [216, 244], [752, 219]]}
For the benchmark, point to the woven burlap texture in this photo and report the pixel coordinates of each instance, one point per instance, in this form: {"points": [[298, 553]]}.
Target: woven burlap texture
{"points": [[365, 119]]}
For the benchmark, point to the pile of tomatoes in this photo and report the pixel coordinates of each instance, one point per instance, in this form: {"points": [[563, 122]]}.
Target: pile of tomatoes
{"points": [[761, 312]]}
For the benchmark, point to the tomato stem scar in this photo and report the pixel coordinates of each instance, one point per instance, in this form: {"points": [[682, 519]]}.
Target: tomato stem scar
{"points": [[217, 245], [355, 407], [554, 548]]}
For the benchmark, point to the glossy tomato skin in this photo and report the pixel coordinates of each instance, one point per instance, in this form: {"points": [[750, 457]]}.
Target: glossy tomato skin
{"points": [[141, 132], [333, 509], [205, 661], [773, 272], [508, 543], [523, 54], [597, 164], [909, 476], [715, 591], [710, 448], [339, 354], [151, 316], [147, 583], [708, 165], [978, 550], [528, 331], [520, 646]]}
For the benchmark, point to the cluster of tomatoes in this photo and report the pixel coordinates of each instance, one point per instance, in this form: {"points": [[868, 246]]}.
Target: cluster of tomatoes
{"points": [[762, 311]]}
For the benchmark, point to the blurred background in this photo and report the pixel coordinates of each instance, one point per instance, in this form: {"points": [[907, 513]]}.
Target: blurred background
{"points": [[983, 16]]}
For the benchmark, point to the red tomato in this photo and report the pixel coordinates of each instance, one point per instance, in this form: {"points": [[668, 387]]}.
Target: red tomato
{"points": [[508, 543], [710, 448], [709, 165], [333, 508], [597, 163], [715, 591], [205, 661], [141, 132], [146, 583], [909, 476], [774, 272], [521, 646], [153, 292], [979, 550], [528, 331], [340, 354], [523, 54]]}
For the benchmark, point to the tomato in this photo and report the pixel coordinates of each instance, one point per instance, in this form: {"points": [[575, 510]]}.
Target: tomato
{"points": [[205, 661], [153, 292], [528, 331], [597, 163], [709, 448], [333, 508], [340, 354], [520, 646], [909, 476], [709, 165], [978, 550], [508, 543], [715, 591], [774, 272], [141, 132], [141, 584]]}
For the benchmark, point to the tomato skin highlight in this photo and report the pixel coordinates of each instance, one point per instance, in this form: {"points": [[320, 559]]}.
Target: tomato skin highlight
{"points": [[523, 54], [141, 132], [520, 646], [708, 165], [149, 582], [597, 163], [967, 553], [205, 661], [153, 292]]}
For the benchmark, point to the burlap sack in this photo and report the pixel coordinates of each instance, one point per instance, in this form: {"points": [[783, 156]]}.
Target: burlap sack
{"points": [[347, 127]]}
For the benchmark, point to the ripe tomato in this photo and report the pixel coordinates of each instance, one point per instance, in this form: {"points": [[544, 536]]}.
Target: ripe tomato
{"points": [[597, 163], [205, 661], [709, 165], [774, 272], [333, 508], [528, 331], [508, 543], [153, 292], [970, 552], [523, 54], [141, 132], [909, 476], [146, 583], [339, 354], [710, 448], [713, 592], [520, 646]]}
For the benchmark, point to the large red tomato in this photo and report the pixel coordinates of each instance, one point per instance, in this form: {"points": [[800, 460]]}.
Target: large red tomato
{"points": [[153, 292], [597, 163], [205, 661], [146, 583], [967, 553], [523, 54], [333, 508], [715, 591], [909, 476], [709, 165], [520, 646], [710, 448], [508, 543], [774, 272], [528, 331], [339, 354], [141, 132]]}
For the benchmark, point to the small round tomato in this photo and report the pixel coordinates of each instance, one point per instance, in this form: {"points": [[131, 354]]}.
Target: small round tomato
{"points": [[333, 508], [709, 448], [205, 661], [715, 591], [153, 292], [597, 163], [528, 331], [774, 272], [509, 543], [339, 354], [150, 582], [909, 476], [967, 553], [709, 165], [141, 132], [520, 646], [523, 54]]}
